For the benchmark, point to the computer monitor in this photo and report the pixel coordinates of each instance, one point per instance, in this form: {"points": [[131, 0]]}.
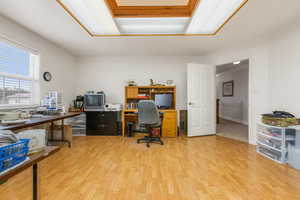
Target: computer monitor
{"points": [[163, 101]]}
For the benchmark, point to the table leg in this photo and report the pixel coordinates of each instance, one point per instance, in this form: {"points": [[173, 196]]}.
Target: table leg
{"points": [[51, 133], [123, 124], [52, 130], [62, 131], [62, 139], [35, 193], [63, 134]]}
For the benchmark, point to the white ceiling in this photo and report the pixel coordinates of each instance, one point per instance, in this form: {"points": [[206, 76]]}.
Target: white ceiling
{"points": [[254, 23], [229, 66]]}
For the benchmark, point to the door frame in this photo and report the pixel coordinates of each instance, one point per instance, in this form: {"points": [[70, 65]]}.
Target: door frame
{"points": [[249, 93]]}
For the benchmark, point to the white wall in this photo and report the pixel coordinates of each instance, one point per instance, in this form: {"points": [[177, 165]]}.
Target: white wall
{"points": [[234, 108], [273, 75], [53, 59], [111, 73], [284, 59]]}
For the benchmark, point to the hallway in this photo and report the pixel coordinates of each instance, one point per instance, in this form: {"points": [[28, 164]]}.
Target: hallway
{"points": [[233, 130]]}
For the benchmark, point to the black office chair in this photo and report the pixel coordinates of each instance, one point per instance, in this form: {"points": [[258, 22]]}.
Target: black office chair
{"points": [[149, 117]]}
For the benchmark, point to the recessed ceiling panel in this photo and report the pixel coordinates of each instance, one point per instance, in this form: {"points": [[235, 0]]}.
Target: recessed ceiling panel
{"points": [[92, 15], [152, 25], [211, 15], [152, 2]]}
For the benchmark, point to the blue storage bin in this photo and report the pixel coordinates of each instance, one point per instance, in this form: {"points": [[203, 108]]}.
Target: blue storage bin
{"points": [[13, 154]]}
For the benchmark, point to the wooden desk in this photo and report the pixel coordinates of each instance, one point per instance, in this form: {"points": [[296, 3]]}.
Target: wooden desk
{"points": [[44, 120], [38, 121], [33, 161], [169, 126], [133, 94]]}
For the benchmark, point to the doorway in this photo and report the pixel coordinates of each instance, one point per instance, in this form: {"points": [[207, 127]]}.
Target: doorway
{"points": [[232, 100]]}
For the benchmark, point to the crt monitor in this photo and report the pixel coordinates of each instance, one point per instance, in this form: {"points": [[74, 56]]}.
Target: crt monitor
{"points": [[163, 101], [94, 101]]}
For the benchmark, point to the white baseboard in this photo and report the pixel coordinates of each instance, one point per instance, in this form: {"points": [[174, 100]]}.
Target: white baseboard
{"points": [[235, 120]]}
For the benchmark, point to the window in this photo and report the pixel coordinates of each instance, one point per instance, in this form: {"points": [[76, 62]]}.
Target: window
{"points": [[19, 69]]}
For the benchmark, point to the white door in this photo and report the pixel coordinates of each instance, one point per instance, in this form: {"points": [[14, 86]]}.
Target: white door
{"points": [[201, 96]]}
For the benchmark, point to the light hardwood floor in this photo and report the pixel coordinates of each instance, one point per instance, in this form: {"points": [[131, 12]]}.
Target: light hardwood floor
{"points": [[200, 168]]}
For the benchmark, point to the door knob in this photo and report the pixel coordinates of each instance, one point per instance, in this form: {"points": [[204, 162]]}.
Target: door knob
{"points": [[190, 103]]}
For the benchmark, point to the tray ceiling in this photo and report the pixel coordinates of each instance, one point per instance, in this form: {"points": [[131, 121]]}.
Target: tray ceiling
{"points": [[198, 17]]}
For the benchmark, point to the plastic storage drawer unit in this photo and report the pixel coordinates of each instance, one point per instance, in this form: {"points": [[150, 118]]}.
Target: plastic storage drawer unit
{"points": [[272, 141]]}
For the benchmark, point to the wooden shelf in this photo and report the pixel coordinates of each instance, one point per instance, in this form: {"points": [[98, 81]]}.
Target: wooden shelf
{"points": [[162, 92], [169, 127], [150, 86], [139, 98]]}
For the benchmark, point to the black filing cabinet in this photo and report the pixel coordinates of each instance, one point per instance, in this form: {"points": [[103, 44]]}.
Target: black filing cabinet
{"points": [[103, 123]]}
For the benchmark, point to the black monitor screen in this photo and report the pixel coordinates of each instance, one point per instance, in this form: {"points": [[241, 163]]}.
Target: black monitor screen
{"points": [[94, 100], [163, 101]]}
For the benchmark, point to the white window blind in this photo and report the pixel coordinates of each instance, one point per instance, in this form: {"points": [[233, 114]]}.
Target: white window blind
{"points": [[18, 76]]}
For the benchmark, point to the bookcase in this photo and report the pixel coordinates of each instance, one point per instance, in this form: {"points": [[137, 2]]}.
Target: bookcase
{"points": [[133, 94]]}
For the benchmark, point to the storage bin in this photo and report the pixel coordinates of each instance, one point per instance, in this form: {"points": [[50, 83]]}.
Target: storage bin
{"points": [[37, 139], [13, 154], [270, 130], [294, 156], [272, 141], [271, 154]]}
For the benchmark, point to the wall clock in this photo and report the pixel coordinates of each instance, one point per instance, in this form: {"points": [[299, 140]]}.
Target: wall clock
{"points": [[47, 76]]}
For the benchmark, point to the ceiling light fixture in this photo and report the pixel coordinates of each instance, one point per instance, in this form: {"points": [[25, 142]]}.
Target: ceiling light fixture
{"points": [[92, 15], [211, 15], [237, 62]]}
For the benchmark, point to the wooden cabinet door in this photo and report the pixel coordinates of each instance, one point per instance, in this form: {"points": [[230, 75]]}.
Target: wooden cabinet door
{"points": [[169, 128], [132, 92]]}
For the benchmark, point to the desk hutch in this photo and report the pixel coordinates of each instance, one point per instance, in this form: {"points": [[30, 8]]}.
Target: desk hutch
{"points": [[133, 94]]}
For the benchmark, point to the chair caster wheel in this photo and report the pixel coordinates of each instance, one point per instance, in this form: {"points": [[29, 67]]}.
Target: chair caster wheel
{"points": [[148, 145], [138, 141], [161, 143]]}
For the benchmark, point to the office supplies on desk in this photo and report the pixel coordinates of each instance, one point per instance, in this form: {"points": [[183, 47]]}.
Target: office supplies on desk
{"points": [[53, 100], [7, 137], [9, 116], [12, 122]]}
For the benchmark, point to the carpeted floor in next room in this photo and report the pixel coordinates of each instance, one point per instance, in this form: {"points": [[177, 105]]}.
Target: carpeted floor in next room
{"points": [[233, 130]]}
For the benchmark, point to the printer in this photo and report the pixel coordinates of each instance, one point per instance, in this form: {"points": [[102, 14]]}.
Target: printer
{"points": [[112, 107]]}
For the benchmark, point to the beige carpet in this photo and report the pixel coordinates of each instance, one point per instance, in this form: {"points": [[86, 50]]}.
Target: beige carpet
{"points": [[232, 130]]}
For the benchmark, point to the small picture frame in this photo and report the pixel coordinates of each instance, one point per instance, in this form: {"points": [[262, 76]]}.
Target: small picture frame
{"points": [[228, 89]]}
